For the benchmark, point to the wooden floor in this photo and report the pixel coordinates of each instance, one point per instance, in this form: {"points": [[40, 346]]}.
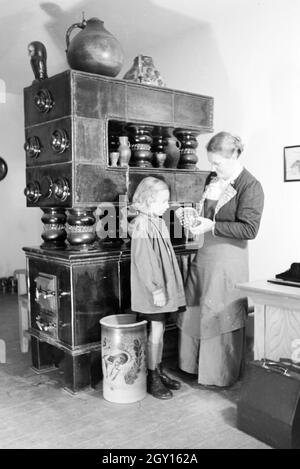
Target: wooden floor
{"points": [[35, 411]]}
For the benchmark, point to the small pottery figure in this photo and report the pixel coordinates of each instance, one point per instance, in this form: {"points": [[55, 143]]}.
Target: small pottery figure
{"points": [[38, 54], [144, 71]]}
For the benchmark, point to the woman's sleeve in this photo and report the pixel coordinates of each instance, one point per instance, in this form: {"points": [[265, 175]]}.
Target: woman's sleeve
{"points": [[248, 215], [145, 260]]}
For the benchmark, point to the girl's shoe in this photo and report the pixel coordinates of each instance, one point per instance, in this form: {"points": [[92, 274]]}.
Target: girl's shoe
{"points": [[166, 380], [156, 387]]}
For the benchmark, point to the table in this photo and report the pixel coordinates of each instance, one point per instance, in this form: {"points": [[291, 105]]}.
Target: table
{"points": [[276, 319]]}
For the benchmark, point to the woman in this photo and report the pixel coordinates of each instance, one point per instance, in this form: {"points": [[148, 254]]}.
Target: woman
{"points": [[212, 329]]}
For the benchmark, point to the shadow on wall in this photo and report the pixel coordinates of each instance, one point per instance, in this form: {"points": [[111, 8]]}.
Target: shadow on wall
{"points": [[140, 21]]}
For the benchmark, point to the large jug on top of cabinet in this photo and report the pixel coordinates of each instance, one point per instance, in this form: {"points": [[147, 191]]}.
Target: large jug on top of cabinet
{"points": [[94, 49]]}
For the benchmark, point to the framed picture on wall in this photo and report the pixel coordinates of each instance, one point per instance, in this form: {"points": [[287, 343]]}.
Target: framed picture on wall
{"points": [[291, 157]]}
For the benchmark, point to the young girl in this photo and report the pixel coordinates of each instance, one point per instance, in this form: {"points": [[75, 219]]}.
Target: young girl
{"points": [[156, 283]]}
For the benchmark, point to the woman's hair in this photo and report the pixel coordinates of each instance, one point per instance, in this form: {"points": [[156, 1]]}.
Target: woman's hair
{"points": [[226, 144], [146, 191]]}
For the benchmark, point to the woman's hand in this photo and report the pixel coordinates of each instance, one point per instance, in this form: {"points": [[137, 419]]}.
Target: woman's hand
{"points": [[206, 225], [159, 298]]}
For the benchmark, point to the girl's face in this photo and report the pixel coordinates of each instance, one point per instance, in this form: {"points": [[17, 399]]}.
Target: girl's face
{"points": [[224, 167], [160, 203]]}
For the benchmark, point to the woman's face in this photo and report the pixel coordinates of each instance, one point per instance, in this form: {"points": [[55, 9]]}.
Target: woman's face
{"points": [[224, 167]]}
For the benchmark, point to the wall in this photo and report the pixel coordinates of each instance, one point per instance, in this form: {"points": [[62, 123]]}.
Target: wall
{"points": [[19, 226], [248, 59]]}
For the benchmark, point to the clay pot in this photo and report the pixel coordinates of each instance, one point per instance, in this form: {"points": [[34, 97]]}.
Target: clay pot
{"points": [[94, 49], [123, 346], [114, 158]]}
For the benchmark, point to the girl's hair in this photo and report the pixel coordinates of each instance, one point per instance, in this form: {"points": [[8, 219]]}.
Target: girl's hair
{"points": [[226, 144], [146, 191]]}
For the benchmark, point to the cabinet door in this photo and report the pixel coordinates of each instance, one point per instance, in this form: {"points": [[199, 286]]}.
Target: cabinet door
{"points": [[96, 289], [50, 299]]}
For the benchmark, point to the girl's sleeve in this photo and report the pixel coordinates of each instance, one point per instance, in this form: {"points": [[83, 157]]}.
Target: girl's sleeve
{"points": [[248, 215], [147, 264]]}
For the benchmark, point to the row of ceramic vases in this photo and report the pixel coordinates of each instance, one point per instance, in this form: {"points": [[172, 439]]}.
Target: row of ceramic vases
{"points": [[168, 158], [8, 284]]}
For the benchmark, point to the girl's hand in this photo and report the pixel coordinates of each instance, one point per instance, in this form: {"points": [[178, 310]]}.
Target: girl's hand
{"points": [[159, 298]]}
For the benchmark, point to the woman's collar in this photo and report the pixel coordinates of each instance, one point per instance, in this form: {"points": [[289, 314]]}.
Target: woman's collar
{"points": [[235, 175]]}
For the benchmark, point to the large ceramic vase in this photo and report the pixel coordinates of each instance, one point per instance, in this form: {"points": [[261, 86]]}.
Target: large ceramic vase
{"points": [[94, 49], [141, 141], [81, 228], [123, 347]]}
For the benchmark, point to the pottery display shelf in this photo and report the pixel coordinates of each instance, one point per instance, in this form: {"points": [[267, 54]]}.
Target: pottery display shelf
{"points": [[67, 118]]}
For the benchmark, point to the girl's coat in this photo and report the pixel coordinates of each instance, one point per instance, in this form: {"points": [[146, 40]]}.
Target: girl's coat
{"points": [[153, 266]]}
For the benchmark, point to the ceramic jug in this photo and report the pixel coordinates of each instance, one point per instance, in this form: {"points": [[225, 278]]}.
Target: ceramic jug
{"points": [[172, 149], [94, 49], [124, 151]]}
